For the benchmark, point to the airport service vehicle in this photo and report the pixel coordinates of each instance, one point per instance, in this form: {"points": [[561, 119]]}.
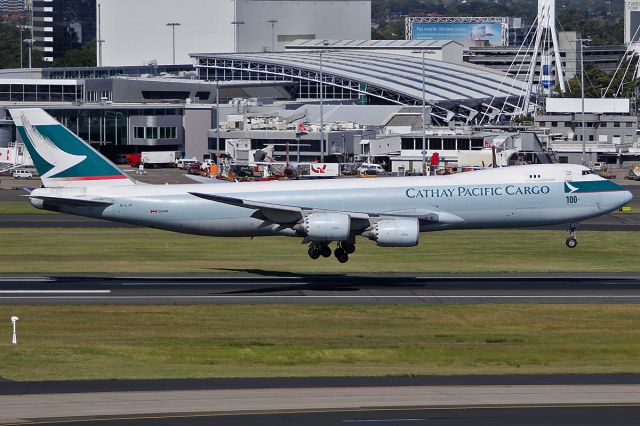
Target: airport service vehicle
{"points": [[318, 170], [22, 174], [391, 211], [159, 158], [367, 168], [185, 163]]}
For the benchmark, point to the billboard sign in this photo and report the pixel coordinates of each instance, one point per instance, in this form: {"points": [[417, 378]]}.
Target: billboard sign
{"points": [[467, 34]]}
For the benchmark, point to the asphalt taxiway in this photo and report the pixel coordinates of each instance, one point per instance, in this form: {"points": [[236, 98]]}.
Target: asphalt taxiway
{"points": [[265, 287], [551, 400]]}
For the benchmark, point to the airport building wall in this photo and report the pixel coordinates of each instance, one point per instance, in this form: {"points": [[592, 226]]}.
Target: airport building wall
{"points": [[134, 36]]}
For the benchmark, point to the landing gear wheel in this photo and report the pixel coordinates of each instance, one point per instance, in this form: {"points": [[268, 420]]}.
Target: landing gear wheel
{"points": [[314, 252], [325, 250], [341, 255], [348, 247], [572, 242]]}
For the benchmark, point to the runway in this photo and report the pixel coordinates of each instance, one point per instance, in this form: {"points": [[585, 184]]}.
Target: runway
{"points": [[264, 287], [615, 415], [590, 400]]}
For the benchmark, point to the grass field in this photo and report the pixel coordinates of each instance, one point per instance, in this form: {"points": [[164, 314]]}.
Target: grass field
{"points": [[17, 207], [32, 250], [118, 342]]}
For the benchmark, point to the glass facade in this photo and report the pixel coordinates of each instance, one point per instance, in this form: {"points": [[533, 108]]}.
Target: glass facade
{"points": [[107, 126], [440, 144], [155, 132], [40, 93]]}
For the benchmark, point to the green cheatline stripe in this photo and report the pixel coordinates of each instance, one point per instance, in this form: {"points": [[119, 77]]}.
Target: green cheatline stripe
{"points": [[592, 186]]}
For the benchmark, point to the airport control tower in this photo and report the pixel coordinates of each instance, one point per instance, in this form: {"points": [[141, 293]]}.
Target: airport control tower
{"points": [[546, 52]]}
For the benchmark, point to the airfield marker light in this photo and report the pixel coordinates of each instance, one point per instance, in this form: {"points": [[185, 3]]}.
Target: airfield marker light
{"points": [[14, 339]]}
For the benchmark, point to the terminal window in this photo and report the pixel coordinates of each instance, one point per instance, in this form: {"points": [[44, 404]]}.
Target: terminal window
{"points": [[155, 132]]}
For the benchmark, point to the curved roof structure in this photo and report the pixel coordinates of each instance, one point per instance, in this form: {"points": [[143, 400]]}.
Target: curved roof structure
{"points": [[389, 78]]}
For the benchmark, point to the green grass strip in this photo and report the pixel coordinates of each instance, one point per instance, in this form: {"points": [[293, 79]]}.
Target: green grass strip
{"points": [[78, 250], [138, 342]]}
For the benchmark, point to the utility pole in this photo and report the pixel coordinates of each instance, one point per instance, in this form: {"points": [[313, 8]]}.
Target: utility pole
{"points": [[273, 23], [173, 26], [584, 127]]}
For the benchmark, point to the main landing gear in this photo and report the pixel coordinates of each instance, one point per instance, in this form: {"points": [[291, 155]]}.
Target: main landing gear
{"points": [[572, 241], [316, 250], [341, 252]]}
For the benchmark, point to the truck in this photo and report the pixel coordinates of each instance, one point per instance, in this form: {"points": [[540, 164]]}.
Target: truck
{"points": [[318, 170], [160, 158]]}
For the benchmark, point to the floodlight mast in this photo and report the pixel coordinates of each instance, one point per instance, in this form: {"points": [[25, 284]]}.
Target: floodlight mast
{"points": [[546, 30]]}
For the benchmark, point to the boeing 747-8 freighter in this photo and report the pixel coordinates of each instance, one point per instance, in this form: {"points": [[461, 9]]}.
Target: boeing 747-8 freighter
{"points": [[391, 211]]}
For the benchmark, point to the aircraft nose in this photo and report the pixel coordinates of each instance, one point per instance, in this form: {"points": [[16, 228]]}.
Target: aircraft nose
{"points": [[627, 196]]}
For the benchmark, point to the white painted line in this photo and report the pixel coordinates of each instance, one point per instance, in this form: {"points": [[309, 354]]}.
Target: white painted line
{"points": [[55, 291], [26, 279]]}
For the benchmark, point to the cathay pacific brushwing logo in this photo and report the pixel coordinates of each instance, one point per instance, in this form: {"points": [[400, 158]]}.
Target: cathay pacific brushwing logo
{"points": [[52, 154], [569, 189]]}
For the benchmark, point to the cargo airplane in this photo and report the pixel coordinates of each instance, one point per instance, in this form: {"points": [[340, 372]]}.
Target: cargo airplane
{"points": [[391, 211]]}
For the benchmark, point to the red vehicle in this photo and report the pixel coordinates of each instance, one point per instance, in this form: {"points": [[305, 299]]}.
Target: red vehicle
{"points": [[134, 159], [195, 169]]}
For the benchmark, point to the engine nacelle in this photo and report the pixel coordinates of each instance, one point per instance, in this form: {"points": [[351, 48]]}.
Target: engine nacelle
{"points": [[395, 232], [325, 227]]}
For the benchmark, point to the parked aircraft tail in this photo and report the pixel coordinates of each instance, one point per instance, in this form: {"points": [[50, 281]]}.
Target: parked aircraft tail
{"points": [[61, 157]]}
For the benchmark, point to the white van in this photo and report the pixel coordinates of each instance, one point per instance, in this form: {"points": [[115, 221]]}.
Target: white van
{"points": [[22, 174]]}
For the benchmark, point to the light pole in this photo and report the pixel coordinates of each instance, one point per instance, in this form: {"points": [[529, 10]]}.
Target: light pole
{"points": [[237, 32], [173, 26], [217, 114], [324, 43], [22, 28], [100, 40], [424, 111], [273, 23], [584, 127], [29, 41]]}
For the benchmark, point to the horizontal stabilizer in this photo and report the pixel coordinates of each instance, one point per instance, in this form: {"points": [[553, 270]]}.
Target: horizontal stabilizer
{"points": [[76, 202]]}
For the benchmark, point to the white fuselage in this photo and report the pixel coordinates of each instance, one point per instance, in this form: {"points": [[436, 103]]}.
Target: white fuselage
{"points": [[520, 196]]}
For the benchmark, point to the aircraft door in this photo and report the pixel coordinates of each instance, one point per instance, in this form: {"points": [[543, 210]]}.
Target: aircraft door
{"points": [[569, 176]]}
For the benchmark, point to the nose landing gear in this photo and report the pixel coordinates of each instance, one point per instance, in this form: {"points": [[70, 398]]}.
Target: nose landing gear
{"points": [[572, 241]]}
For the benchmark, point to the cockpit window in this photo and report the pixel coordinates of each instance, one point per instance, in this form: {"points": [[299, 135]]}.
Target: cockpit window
{"points": [[586, 172]]}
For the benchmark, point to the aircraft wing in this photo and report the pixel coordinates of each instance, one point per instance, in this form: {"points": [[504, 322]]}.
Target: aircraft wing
{"points": [[284, 214], [76, 202]]}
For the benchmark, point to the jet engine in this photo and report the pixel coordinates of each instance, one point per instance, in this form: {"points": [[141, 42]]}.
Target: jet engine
{"points": [[395, 232], [325, 227]]}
